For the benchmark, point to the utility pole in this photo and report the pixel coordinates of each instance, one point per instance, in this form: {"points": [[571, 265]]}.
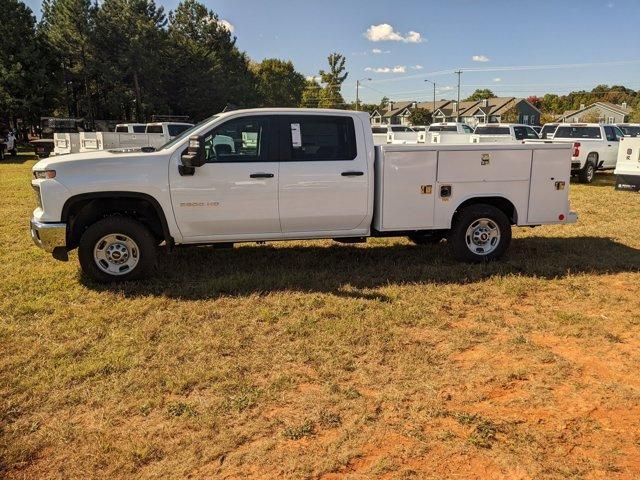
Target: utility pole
{"points": [[433, 108], [459, 72], [358, 91]]}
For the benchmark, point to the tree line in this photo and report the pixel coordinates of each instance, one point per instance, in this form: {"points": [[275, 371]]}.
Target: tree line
{"points": [[552, 104], [129, 59]]}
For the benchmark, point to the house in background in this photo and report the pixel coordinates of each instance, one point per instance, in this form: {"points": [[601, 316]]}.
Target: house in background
{"points": [[451, 111], [472, 112], [599, 112], [396, 113], [494, 110]]}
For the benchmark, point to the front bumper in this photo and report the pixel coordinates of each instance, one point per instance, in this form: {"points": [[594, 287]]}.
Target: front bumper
{"points": [[49, 236]]}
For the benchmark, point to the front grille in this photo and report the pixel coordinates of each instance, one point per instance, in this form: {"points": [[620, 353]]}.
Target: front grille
{"points": [[36, 189]]}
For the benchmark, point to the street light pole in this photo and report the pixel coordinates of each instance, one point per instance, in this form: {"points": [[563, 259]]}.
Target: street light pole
{"points": [[459, 72], [433, 108], [358, 91]]}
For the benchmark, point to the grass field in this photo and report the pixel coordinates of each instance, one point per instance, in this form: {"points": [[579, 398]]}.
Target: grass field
{"points": [[315, 360]]}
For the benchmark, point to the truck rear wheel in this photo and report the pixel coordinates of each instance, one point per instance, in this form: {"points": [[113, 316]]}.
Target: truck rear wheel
{"points": [[480, 233], [588, 173], [117, 249]]}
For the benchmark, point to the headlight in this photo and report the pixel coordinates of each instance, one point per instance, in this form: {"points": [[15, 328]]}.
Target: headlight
{"points": [[41, 174]]}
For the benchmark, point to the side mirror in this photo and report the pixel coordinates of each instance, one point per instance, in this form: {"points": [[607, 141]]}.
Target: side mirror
{"points": [[196, 155]]}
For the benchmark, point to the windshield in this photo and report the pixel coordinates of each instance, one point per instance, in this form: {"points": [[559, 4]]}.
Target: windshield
{"points": [[186, 133], [630, 131]]}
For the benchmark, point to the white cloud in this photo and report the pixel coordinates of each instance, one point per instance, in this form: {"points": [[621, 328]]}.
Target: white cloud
{"points": [[228, 25], [385, 33], [312, 77], [446, 88], [417, 67], [376, 51], [396, 69], [497, 79], [480, 58]]}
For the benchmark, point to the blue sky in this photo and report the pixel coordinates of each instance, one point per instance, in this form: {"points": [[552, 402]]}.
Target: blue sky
{"points": [[414, 40]]}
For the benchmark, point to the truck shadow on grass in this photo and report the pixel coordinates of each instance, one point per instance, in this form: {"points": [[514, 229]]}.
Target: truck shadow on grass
{"points": [[203, 273]]}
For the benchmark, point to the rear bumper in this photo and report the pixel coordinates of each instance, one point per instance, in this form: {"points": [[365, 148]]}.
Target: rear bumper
{"points": [[49, 236]]}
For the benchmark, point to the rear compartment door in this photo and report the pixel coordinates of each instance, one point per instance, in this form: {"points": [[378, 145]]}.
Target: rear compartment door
{"points": [[493, 165], [549, 189], [408, 190]]}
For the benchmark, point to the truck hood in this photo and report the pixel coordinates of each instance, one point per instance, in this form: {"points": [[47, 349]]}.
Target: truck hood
{"points": [[92, 158]]}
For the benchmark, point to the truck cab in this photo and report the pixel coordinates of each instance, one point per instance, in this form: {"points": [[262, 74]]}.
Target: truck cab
{"points": [[288, 174], [503, 132]]}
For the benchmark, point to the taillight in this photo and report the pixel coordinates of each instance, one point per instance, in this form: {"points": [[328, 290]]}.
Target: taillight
{"points": [[576, 149]]}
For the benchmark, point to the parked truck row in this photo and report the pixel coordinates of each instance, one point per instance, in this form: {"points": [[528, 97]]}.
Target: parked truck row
{"points": [[285, 174]]}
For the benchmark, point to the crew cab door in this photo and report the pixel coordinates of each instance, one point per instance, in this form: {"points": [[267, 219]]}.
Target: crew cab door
{"points": [[324, 178], [610, 154], [235, 194]]}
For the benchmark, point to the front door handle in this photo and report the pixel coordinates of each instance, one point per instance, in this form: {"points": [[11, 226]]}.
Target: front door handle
{"points": [[261, 175], [352, 174]]}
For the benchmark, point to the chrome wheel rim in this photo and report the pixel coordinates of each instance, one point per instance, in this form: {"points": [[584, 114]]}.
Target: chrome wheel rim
{"points": [[116, 254], [483, 236], [590, 172]]}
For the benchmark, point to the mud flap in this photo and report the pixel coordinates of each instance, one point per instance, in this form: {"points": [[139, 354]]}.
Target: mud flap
{"points": [[630, 183]]}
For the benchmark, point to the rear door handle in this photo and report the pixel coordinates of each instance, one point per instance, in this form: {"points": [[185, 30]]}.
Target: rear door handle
{"points": [[261, 175], [352, 174]]}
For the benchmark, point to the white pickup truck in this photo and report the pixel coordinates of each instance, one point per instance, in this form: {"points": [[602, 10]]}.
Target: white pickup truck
{"points": [[285, 174], [594, 147]]}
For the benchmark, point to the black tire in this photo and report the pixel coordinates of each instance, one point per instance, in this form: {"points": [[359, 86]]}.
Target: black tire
{"points": [[14, 152], [146, 251], [463, 222], [431, 238], [588, 172]]}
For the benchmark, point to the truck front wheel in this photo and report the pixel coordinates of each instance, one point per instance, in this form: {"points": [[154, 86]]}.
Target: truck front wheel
{"points": [[117, 249], [480, 233]]}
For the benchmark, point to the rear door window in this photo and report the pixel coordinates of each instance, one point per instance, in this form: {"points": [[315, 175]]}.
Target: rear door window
{"points": [[318, 137], [154, 129], [611, 135]]}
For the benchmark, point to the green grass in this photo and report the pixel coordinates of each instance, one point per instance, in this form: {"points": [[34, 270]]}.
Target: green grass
{"points": [[312, 359]]}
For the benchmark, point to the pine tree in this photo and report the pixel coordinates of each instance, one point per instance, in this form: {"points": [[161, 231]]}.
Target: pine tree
{"points": [[333, 79]]}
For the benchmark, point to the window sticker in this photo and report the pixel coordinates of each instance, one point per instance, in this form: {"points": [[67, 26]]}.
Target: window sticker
{"points": [[296, 137]]}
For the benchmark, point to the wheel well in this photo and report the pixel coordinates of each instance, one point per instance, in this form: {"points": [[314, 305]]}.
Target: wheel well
{"points": [[82, 211], [501, 203], [593, 153]]}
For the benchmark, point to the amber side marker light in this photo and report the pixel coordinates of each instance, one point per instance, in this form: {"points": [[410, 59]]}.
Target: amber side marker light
{"points": [[42, 174]]}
